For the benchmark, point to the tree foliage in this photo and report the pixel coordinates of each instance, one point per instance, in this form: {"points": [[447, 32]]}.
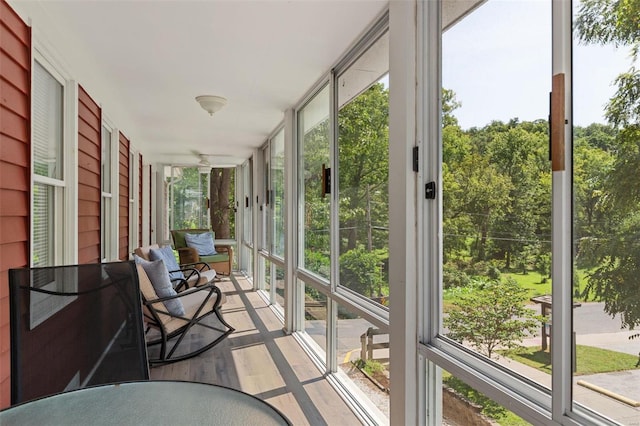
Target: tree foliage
{"points": [[615, 252], [222, 201], [492, 316]]}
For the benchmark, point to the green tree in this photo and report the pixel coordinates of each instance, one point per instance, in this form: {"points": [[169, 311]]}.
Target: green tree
{"points": [[361, 270], [615, 280], [476, 195], [222, 205], [492, 316], [363, 144], [314, 153], [518, 152], [188, 209]]}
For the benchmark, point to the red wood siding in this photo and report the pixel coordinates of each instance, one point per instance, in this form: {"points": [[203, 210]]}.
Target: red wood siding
{"points": [[140, 244], [15, 165], [123, 231], [89, 167]]}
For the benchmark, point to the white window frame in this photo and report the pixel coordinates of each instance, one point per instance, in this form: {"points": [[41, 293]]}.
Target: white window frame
{"points": [[65, 227], [524, 397], [109, 238], [366, 411], [134, 177]]}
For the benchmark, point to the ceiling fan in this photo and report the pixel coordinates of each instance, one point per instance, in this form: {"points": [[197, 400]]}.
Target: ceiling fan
{"points": [[215, 160], [204, 160], [204, 166]]}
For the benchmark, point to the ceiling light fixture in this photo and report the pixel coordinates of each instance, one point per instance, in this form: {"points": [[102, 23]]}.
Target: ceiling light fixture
{"points": [[204, 170], [211, 103]]}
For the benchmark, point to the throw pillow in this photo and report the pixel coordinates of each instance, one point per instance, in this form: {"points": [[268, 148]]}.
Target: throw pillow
{"points": [[159, 277], [165, 253], [203, 243]]}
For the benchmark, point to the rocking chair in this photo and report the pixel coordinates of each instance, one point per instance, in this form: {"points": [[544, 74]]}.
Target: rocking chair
{"points": [[168, 328]]}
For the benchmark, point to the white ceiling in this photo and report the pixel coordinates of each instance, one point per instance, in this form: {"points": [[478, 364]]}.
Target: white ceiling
{"points": [[157, 56], [154, 57]]}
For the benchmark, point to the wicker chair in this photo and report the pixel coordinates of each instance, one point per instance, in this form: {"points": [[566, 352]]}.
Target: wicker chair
{"points": [[195, 274], [222, 261]]}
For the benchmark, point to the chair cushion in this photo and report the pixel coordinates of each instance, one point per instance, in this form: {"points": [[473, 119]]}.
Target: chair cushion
{"points": [[206, 277], [165, 253], [178, 236], [157, 273], [203, 243], [143, 252], [192, 303], [219, 257]]}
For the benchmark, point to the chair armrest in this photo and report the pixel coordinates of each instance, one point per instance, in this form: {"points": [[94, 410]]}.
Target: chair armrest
{"points": [[188, 255], [211, 287], [223, 249], [188, 273], [200, 266]]}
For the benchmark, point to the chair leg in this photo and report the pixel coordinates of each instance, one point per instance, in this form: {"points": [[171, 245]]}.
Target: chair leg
{"points": [[167, 358]]}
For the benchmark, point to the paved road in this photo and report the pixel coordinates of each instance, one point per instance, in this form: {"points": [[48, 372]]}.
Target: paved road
{"points": [[594, 327]]}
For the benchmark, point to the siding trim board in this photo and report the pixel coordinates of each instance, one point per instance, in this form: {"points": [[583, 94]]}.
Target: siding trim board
{"points": [[15, 169]]}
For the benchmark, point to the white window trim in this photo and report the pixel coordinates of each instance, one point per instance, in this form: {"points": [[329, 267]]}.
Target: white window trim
{"points": [[112, 236], [134, 179], [526, 398], [66, 193]]}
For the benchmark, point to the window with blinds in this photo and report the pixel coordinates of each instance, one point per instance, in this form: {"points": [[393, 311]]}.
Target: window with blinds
{"points": [[43, 220], [47, 139], [47, 124], [106, 217]]}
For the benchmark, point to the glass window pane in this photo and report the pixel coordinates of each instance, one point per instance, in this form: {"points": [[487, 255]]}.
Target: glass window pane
{"points": [[463, 405], [266, 273], [606, 222], [190, 194], [279, 286], [363, 355], [105, 228], [266, 202], [313, 212], [497, 183], [106, 160], [315, 315], [221, 196], [43, 225], [363, 173], [277, 194], [47, 123], [247, 202]]}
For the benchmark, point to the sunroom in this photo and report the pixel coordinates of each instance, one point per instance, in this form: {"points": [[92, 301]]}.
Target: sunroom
{"points": [[384, 172]]}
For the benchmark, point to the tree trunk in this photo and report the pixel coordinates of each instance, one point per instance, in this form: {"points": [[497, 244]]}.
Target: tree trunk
{"points": [[220, 208]]}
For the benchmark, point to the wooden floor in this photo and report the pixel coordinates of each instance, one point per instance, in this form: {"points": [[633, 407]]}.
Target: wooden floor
{"points": [[258, 358]]}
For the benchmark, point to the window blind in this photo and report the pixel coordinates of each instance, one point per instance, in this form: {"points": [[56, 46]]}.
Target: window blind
{"points": [[47, 124]]}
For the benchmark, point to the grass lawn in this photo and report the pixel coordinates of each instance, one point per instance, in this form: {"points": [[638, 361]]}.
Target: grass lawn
{"points": [[589, 360], [490, 409], [532, 282]]}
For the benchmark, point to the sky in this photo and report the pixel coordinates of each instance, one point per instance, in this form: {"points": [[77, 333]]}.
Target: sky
{"points": [[498, 62]]}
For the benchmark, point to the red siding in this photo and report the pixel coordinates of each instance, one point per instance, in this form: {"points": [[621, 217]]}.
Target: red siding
{"points": [[89, 167], [123, 232], [15, 158]]}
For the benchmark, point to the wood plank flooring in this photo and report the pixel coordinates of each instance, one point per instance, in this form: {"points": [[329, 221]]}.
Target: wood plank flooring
{"points": [[258, 358]]}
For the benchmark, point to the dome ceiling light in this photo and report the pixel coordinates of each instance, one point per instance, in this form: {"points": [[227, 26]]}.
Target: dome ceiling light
{"points": [[211, 103]]}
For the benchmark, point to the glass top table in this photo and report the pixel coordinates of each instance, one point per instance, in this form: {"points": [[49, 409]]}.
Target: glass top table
{"points": [[146, 402]]}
